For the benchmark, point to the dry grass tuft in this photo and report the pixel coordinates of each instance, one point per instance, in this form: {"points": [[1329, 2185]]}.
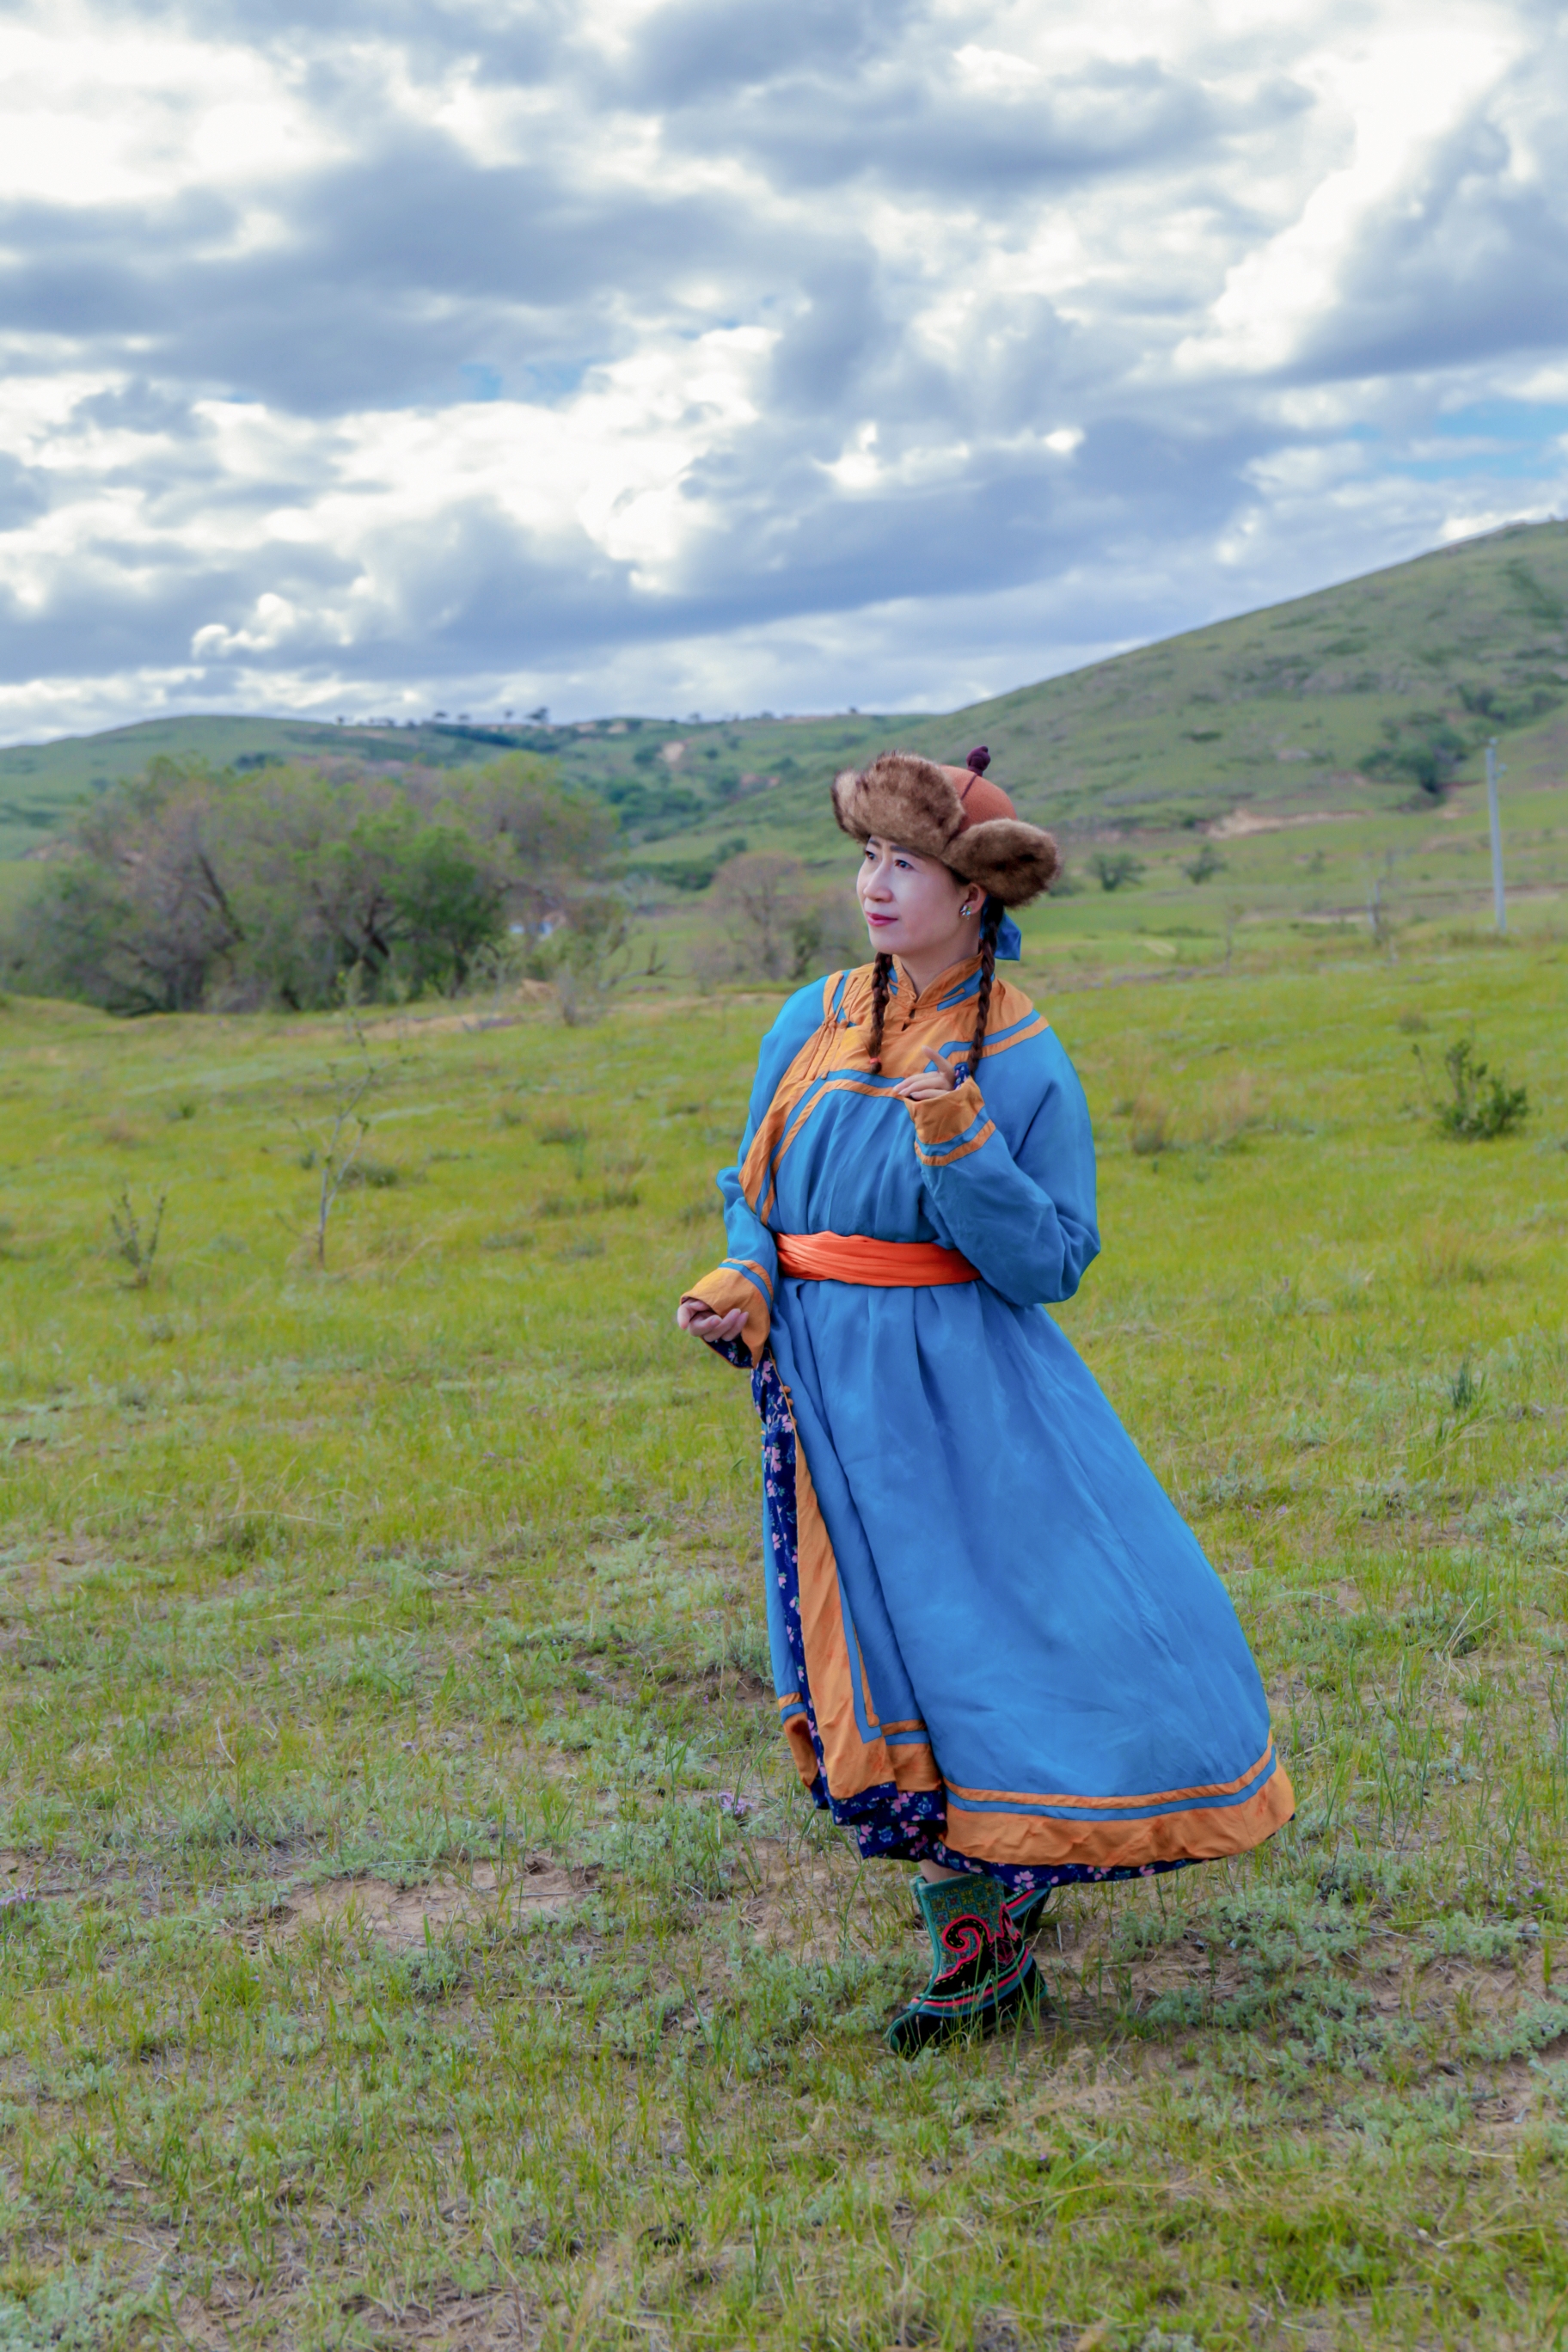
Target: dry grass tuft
{"points": [[1447, 1254]]}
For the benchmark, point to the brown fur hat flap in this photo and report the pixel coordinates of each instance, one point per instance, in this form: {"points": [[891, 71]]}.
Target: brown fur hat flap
{"points": [[1010, 860], [903, 798]]}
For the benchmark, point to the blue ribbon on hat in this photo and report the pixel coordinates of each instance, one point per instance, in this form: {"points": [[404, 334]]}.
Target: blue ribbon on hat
{"points": [[1009, 941]]}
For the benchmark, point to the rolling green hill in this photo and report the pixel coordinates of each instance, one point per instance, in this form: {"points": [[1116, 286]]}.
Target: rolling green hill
{"points": [[42, 783], [1368, 696]]}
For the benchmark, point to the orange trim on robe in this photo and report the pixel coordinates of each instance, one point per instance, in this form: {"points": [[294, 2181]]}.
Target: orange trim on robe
{"points": [[851, 1762], [803, 1755], [1112, 1804], [1207, 1834], [836, 1053]]}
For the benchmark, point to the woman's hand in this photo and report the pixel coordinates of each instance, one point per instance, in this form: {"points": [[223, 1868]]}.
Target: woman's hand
{"points": [[692, 1315], [928, 1086]]}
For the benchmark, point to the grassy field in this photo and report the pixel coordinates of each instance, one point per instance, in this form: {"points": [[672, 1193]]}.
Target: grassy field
{"points": [[416, 1936]]}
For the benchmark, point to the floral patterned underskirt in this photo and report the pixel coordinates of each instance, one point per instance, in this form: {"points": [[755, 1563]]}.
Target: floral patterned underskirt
{"points": [[888, 1823]]}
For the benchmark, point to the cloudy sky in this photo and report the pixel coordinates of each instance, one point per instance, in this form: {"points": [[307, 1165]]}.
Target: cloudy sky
{"points": [[367, 356]]}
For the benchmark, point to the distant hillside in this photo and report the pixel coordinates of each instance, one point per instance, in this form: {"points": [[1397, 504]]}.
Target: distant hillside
{"points": [[1369, 694], [1356, 695]]}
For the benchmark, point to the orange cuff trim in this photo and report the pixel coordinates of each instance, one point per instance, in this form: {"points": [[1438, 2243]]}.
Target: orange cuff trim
{"points": [[943, 1118], [725, 1288], [959, 1152]]}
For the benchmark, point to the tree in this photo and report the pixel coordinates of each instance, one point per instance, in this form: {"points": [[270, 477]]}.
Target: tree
{"points": [[139, 919], [449, 906], [1119, 870], [761, 899], [1206, 864], [1421, 745], [548, 841]]}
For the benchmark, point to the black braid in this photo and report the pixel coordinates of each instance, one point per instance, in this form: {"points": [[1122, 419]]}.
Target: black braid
{"points": [[991, 923], [881, 982]]}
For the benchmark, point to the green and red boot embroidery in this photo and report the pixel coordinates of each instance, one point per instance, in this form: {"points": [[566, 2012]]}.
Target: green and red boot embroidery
{"points": [[1026, 1910], [983, 1970]]}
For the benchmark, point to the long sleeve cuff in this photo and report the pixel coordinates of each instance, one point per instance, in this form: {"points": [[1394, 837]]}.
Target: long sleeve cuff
{"points": [[740, 1282], [948, 1127]]}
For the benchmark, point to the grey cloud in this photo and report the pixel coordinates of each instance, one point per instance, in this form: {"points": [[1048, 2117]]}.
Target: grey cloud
{"points": [[422, 29], [1003, 521], [908, 131], [473, 592], [841, 333], [69, 272], [23, 493], [398, 269], [129, 605], [138, 406], [693, 52]]}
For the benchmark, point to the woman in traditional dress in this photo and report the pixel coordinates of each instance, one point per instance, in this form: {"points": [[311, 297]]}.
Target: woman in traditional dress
{"points": [[997, 1648]]}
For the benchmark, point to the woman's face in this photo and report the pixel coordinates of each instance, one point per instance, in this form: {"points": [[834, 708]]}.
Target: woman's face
{"points": [[912, 904]]}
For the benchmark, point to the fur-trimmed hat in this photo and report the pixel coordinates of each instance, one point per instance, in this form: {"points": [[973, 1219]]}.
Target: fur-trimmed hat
{"points": [[952, 814]]}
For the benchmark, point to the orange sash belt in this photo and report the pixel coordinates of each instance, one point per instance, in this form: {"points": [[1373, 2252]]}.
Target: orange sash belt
{"points": [[883, 1266]]}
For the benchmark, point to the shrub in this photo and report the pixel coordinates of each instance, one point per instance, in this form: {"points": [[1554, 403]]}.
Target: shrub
{"points": [[1480, 1103]]}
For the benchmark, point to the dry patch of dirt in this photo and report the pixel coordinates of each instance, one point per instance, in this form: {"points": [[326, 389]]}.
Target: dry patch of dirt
{"points": [[1245, 821], [462, 2323], [529, 997], [19, 1883], [817, 1906], [404, 1918]]}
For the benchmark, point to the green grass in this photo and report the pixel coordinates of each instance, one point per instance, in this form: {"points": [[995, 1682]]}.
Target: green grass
{"points": [[376, 1645]]}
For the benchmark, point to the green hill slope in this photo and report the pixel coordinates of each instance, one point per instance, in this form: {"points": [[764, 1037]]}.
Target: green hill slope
{"points": [[1346, 698], [1354, 698], [1341, 700]]}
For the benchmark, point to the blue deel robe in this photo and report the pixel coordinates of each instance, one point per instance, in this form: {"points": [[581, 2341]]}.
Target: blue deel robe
{"points": [[996, 1641]]}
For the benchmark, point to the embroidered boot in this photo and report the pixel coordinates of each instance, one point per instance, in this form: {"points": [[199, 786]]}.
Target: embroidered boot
{"points": [[1025, 1909], [982, 1968]]}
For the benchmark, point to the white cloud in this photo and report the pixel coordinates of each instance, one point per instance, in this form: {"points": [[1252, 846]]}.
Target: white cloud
{"points": [[1397, 90], [695, 353]]}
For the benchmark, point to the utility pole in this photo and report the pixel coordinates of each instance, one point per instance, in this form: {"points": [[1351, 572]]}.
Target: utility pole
{"points": [[1494, 820]]}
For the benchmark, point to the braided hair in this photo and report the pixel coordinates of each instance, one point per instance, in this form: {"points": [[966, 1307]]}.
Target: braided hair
{"points": [[990, 925], [883, 981], [881, 984]]}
